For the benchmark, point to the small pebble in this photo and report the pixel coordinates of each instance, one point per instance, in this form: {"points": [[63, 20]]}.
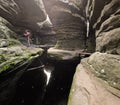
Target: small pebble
{"points": [[102, 71]]}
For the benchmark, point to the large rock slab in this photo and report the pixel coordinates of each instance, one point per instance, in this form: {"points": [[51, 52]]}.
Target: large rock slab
{"points": [[107, 28], [109, 41], [96, 81], [63, 55], [106, 67], [89, 90]]}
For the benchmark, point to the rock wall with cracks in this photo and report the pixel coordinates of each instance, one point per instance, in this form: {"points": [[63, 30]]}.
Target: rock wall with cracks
{"points": [[68, 22]]}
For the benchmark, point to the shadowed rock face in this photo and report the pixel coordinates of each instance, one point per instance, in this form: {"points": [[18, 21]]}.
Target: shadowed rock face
{"points": [[98, 76], [108, 28], [104, 23], [24, 13]]}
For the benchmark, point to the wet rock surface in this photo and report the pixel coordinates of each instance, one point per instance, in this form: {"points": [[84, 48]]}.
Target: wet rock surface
{"points": [[28, 85]]}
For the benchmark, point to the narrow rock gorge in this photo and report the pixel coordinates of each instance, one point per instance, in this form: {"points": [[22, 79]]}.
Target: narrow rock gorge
{"points": [[60, 52]]}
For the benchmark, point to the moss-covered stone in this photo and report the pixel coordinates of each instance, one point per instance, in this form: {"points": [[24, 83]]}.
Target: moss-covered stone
{"points": [[11, 56], [2, 58]]}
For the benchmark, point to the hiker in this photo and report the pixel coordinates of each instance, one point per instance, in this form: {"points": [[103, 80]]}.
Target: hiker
{"points": [[28, 35]]}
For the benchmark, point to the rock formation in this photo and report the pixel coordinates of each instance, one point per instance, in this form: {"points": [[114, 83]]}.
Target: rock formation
{"points": [[68, 23], [74, 27], [96, 81], [24, 14]]}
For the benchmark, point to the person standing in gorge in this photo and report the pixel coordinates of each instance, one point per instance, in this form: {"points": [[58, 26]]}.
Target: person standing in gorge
{"points": [[27, 34]]}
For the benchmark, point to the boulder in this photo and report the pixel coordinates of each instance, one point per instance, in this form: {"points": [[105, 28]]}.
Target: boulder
{"points": [[106, 67], [109, 42], [107, 35], [96, 81]]}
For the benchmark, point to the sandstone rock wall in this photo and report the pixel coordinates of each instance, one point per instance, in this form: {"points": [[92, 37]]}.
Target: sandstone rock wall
{"points": [[68, 23], [88, 89], [24, 13], [107, 26], [96, 81], [107, 35], [7, 36]]}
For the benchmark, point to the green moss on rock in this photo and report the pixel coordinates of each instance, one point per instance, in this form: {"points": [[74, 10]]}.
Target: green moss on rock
{"points": [[14, 55], [2, 58]]}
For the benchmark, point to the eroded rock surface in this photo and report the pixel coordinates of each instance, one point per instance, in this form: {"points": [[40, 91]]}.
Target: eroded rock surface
{"points": [[107, 28], [89, 90], [68, 23], [96, 81], [12, 51], [20, 13]]}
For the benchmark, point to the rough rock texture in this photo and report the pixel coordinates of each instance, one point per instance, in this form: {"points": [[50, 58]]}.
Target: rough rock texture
{"points": [[11, 56], [7, 36], [102, 16], [12, 51], [106, 67], [72, 21], [107, 28], [62, 55], [96, 81], [68, 23], [20, 13], [77, 26], [109, 41], [89, 90]]}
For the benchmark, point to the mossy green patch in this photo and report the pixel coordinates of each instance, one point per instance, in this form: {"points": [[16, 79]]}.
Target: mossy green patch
{"points": [[12, 56], [2, 58]]}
